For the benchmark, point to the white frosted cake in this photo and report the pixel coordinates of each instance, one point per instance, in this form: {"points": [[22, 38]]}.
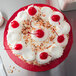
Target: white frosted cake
{"points": [[38, 35]]}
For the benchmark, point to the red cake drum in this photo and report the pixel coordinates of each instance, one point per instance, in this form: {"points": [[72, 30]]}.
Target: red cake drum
{"points": [[38, 37]]}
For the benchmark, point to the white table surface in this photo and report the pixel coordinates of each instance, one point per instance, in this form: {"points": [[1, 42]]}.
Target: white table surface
{"points": [[66, 68]]}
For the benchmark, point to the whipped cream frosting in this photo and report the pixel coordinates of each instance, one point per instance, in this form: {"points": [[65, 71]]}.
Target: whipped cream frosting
{"points": [[47, 12], [32, 45], [41, 61], [63, 26], [57, 22], [46, 35], [55, 51]]}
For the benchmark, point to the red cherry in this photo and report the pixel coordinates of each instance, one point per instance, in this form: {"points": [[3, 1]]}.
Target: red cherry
{"points": [[14, 24], [32, 11], [55, 18], [39, 33], [44, 55], [60, 38], [18, 46]]}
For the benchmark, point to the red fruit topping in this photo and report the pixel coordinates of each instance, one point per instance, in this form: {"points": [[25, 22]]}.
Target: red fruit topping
{"points": [[18, 46], [14, 24], [55, 18], [32, 11], [44, 55], [39, 33], [60, 38]]}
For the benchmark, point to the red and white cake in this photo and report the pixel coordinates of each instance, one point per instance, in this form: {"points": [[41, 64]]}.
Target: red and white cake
{"points": [[38, 37]]}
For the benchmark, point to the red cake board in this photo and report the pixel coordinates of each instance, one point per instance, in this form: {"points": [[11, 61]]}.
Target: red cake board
{"points": [[32, 67]]}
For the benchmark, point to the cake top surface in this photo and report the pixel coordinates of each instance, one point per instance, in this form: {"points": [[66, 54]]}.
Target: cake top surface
{"points": [[38, 35]]}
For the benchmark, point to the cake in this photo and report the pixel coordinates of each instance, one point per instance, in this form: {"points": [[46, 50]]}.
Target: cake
{"points": [[38, 37]]}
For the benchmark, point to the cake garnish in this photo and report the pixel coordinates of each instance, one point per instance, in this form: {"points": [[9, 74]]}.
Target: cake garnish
{"points": [[18, 47], [60, 38], [32, 11], [44, 55], [39, 33], [55, 18], [14, 24]]}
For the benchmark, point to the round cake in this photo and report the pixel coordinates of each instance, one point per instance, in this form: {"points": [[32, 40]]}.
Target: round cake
{"points": [[38, 37]]}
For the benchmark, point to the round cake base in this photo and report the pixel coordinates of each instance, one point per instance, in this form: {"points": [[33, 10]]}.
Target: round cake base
{"points": [[31, 67]]}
